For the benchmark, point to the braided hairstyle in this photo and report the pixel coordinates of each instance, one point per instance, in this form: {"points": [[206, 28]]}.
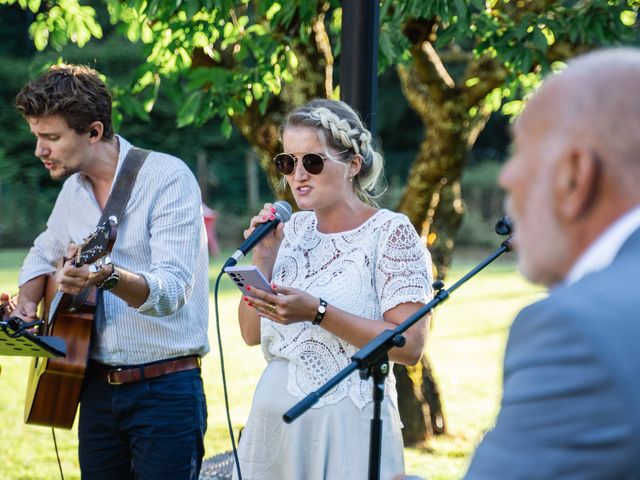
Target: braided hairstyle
{"points": [[340, 128]]}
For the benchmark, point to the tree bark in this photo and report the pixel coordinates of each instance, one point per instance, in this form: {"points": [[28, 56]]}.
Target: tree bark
{"points": [[453, 114]]}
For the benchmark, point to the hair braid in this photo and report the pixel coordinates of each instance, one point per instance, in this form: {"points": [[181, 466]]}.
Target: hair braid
{"points": [[339, 128]]}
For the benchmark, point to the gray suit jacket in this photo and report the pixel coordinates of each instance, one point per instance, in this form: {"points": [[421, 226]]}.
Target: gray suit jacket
{"points": [[571, 401]]}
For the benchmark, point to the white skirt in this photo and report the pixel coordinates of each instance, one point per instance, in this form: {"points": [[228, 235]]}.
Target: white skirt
{"points": [[326, 443]]}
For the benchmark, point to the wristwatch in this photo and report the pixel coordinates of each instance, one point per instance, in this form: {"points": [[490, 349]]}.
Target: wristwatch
{"points": [[322, 309], [114, 277]]}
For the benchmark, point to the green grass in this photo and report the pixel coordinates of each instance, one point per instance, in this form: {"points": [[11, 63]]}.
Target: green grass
{"points": [[465, 346]]}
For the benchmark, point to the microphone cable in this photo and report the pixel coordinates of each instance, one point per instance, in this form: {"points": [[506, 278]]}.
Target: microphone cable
{"points": [[224, 377], [55, 445]]}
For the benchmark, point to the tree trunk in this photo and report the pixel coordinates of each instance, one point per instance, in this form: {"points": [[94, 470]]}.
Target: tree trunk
{"points": [[453, 115]]}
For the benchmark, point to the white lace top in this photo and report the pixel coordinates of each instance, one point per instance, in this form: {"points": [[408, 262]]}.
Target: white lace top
{"points": [[366, 272]]}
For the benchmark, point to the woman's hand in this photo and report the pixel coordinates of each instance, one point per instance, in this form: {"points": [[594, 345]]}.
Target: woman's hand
{"points": [[287, 305], [290, 305], [264, 253]]}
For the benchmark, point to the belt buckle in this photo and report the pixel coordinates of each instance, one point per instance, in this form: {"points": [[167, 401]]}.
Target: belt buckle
{"points": [[111, 379]]}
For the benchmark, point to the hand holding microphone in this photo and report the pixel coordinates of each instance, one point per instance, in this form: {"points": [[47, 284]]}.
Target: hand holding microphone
{"points": [[261, 226]]}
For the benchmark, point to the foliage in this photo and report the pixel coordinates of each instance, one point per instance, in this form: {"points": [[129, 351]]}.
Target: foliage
{"points": [[528, 38], [216, 58]]}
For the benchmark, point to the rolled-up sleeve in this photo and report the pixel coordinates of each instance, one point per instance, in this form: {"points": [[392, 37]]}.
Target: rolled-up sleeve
{"points": [[176, 230]]}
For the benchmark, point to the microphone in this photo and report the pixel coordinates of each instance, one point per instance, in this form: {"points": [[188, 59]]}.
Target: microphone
{"points": [[504, 226], [283, 214]]}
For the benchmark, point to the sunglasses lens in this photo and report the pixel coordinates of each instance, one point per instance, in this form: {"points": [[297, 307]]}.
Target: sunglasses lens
{"points": [[285, 163], [313, 163]]}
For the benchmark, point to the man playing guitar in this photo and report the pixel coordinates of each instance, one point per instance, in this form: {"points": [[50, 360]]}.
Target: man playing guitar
{"points": [[142, 407]]}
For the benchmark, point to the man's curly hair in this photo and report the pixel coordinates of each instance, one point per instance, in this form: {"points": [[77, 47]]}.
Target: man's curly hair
{"points": [[74, 92]]}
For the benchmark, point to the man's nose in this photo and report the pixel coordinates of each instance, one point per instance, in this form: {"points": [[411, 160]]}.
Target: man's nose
{"points": [[42, 150]]}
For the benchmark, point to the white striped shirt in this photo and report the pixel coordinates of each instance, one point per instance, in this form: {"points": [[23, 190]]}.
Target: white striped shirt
{"points": [[162, 238]]}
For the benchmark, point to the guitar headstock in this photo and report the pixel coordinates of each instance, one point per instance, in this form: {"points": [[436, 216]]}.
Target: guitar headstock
{"points": [[98, 244]]}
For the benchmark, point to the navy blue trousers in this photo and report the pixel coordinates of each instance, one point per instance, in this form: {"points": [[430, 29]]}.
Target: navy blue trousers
{"points": [[147, 430]]}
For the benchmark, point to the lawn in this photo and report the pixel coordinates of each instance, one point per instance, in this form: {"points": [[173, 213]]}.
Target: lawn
{"points": [[465, 346]]}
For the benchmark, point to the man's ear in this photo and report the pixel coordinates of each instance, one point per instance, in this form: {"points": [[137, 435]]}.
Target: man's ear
{"points": [[96, 130], [576, 183]]}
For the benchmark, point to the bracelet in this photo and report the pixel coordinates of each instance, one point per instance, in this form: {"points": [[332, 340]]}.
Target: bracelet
{"points": [[322, 309]]}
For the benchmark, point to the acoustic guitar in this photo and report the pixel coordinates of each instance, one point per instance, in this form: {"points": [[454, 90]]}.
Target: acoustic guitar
{"points": [[54, 385]]}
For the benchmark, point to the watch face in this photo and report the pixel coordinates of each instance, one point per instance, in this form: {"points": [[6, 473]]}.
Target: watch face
{"points": [[322, 309], [110, 282]]}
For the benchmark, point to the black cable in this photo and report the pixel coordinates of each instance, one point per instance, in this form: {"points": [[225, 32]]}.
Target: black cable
{"points": [[55, 445], [224, 378]]}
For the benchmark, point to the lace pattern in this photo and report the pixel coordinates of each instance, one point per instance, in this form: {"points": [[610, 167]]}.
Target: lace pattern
{"points": [[366, 272]]}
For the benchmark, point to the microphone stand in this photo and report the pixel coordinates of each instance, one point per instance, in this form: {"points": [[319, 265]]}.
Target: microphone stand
{"points": [[372, 360]]}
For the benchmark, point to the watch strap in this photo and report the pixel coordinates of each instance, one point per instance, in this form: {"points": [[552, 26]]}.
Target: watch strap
{"points": [[112, 279]]}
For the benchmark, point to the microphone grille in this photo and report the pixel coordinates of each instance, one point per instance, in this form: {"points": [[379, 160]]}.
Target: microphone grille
{"points": [[504, 226], [283, 209]]}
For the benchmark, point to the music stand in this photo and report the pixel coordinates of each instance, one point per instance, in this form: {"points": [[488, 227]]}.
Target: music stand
{"points": [[16, 340]]}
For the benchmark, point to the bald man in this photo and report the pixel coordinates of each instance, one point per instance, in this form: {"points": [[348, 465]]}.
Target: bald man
{"points": [[571, 401]]}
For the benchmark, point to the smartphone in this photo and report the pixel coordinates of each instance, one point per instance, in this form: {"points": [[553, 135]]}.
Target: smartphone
{"points": [[248, 275]]}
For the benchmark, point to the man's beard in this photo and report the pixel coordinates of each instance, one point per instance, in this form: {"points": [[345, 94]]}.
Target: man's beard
{"points": [[62, 173]]}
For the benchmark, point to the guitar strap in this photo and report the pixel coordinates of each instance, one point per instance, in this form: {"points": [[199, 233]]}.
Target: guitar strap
{"points": [[116, 205], [121, 191]]}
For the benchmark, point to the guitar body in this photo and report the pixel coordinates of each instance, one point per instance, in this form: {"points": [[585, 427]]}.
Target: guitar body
{"points": [[54, 385]]}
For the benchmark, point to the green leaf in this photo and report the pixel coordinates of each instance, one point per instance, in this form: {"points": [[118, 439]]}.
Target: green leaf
{"points": [[628, 17], [40, 35], [539, 40], [292, 59], [470, 82], [34, 5], [257, 90], [146, 33], [463, 14], [188, 111], [273, 9], [225, 127], [264, 103], [513, 107], [191, 8], [445, 38]]}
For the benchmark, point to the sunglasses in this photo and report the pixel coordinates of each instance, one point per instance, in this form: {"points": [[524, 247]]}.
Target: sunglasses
{"points": [[313, 163]]}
